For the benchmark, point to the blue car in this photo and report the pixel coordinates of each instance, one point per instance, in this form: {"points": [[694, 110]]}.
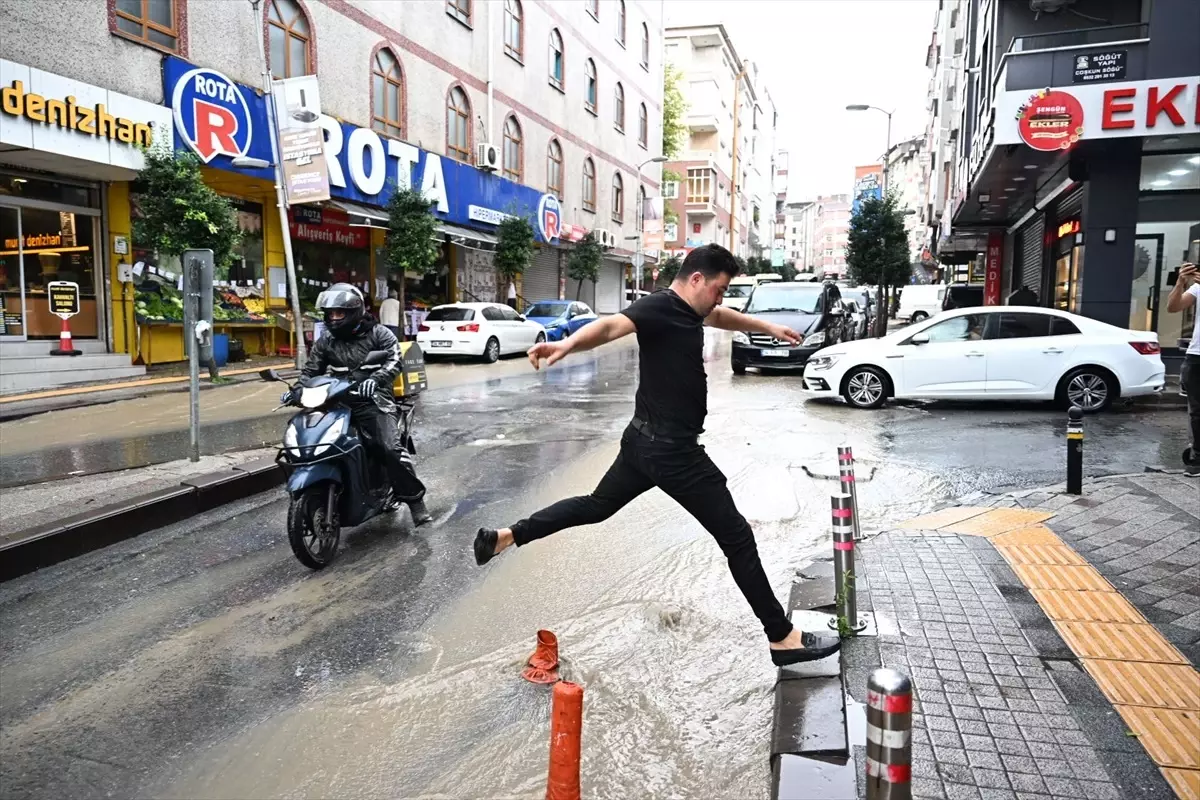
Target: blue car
{"points": [[560, 318]]}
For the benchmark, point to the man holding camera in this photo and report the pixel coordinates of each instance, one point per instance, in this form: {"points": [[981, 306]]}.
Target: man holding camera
{"points": [[1186, 294]]}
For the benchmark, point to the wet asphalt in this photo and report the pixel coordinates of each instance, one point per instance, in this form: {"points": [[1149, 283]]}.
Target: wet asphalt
{"points": [[202, 660]]}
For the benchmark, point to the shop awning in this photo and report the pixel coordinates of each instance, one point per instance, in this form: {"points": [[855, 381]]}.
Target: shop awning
{"points": [[362, 216], [466, 237]]}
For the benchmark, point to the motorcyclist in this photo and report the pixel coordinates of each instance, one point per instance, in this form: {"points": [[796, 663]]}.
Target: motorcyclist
{"points": [[350, 334]]}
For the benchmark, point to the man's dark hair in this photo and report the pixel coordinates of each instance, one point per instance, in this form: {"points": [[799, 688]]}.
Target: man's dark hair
{"points": [[710, 261]]}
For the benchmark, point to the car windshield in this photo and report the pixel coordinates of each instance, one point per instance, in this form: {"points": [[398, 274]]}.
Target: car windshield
{"points": [[738, 291], [450, 314], [782, 297], [546, 310]]}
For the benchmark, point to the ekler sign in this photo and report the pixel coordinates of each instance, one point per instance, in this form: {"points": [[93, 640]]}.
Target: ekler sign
{"points": [[221, 120]]}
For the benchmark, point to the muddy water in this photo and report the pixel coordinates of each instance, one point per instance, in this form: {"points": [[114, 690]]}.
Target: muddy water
{"points": [[678, 685]]}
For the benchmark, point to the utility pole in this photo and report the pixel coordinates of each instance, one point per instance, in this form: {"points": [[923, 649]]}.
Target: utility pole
{"points": [[733, 181]]}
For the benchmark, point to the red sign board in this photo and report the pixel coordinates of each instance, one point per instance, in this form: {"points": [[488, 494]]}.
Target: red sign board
{"points": [[1052, 120], [992, 268], [334, 228]]}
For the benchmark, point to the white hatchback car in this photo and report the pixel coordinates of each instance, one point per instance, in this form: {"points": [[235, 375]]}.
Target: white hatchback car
{"points": [[483, 330], [993, 353]]}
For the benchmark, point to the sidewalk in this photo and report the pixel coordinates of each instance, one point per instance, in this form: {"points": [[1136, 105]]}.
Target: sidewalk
{"points": [[1052, 642]]}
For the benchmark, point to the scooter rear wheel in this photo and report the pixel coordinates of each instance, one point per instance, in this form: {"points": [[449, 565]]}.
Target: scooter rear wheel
{"points": [[314, 540]]}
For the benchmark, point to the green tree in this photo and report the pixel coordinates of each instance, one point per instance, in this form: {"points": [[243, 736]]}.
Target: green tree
{"points": [[668, 268], [787, 270], [674, 107], [877, 246], [584, 262], [743, 267], [514, 246], [410, 241], [179, 212]]}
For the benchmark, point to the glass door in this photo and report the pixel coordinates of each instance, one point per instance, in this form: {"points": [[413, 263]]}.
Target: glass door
{"points": [[1147, 282], [12, 275]]}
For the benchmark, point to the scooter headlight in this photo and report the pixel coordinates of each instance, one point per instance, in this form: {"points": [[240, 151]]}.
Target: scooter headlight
{"points": [[314, 397], [330, 436], [291, 441]]}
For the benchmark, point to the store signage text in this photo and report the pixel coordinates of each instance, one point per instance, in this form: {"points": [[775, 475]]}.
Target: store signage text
{"points": [[90, 120], [36, 240], [334, 228], [1051, 120], [992, 267], [220, 120], [489, 215], [63, 298], [1092, 67], [1121, 107], [549, 217], [1068, 228]]}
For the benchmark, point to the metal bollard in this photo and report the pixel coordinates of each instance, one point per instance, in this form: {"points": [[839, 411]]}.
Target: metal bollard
{"points": [[842, 525], [1075, 450], [849, 486], [889, 736]]}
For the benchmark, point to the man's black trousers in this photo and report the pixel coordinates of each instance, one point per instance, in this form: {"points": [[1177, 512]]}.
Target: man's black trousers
{"points": [[381, 437], [1191, 383], [685, 472]]}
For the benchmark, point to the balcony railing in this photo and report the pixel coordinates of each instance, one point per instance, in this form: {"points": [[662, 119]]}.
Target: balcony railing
{"points": [[1080, 37]]}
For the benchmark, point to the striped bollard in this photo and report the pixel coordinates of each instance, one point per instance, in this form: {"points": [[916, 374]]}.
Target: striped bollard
{"points": [[846, 476], [889, 736], [842, 525]]}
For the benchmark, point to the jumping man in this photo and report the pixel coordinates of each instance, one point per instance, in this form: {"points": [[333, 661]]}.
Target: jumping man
{"points": [[660, 447]]}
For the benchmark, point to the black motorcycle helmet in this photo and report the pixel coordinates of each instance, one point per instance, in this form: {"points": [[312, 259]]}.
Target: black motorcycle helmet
{"points": [[348, 299]]}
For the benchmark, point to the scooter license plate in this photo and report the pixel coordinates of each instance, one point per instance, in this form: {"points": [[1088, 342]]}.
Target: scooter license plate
{"points": [[775, 353], [441, 344]]}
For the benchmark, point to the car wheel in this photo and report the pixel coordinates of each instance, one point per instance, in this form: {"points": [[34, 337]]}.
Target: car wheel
{"points": [[541, 337], [919, 315], [1089, 388], [491, 350], [738, 367], [865, 387]]}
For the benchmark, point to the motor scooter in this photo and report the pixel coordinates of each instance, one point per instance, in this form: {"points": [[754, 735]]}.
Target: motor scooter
{"points": [[331, 481]]}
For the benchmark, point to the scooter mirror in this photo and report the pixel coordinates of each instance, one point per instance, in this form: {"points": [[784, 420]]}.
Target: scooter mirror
{"points": [[269, 375]]}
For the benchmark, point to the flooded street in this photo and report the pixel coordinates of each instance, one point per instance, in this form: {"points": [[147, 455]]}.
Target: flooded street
{"points": [[202, 661]]}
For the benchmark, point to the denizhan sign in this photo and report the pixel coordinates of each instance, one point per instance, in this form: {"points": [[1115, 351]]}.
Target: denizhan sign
{"points": [[220, 120]]}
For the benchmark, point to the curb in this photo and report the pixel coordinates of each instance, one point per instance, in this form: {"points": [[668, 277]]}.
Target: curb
{"points": [[811, 757], [51, 543]]}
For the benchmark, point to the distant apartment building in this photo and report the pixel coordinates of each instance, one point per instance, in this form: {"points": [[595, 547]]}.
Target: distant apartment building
{"points": [[799, 226], [779, 189], [724, 166], [831, 229], [906, 181], [759, 185]]}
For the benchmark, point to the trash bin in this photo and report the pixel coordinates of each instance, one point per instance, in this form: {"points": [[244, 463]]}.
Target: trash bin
{"points": [[221, 349]]}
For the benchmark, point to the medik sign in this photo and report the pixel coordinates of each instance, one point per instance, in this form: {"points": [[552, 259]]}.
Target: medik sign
{"points": [[45, 112]]}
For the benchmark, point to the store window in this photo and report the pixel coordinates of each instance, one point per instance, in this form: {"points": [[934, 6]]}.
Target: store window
{"points": [[155, 22], [246, 268], [39, 246], [1168, 234]]}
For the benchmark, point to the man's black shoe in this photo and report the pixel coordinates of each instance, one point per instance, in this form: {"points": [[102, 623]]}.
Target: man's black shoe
{"points": [[485, 546], [420, 513], [816, 647]]}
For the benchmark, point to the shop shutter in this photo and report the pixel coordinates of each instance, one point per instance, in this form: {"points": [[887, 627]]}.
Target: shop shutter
{"points": [[608, 288], [1031, 255], [540, 281], [584, 294], [1070, 205]]}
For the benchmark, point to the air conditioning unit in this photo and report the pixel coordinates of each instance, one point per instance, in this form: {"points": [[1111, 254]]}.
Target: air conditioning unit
{"points": [[605, 237], [670, 190], [487, 157]]}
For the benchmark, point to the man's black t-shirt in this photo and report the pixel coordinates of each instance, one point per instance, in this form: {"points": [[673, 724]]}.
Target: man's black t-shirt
{"points": [[672, 394]]}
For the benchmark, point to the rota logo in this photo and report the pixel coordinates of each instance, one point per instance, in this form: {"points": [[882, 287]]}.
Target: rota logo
{"points": [[548, 218], [211, 114]]}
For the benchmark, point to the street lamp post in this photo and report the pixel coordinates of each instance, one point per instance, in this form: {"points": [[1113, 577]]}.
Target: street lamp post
{"points": [[880, 311], [640, 256]]}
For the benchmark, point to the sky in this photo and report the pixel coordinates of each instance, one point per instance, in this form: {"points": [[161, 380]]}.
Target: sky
{"points": [[818, 56]]}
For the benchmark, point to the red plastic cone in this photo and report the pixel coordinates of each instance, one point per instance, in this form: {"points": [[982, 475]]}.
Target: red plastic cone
{"points": [[566, 730], [543, 661]]}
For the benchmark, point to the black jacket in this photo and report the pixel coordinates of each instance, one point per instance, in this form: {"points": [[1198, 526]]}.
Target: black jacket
{"points": [[342, 357]]}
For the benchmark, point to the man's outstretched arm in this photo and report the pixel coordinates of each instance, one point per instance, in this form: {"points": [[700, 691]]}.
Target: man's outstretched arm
{"points": [[589, 336], [729, 320]]}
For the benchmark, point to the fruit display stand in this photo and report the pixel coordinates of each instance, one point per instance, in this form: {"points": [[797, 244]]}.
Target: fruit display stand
{"points": [[159, 308]]}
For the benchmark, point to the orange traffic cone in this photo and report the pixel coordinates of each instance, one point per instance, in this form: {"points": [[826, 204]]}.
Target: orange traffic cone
{"points": [[66, 347], [543, 662], [566, 729]]}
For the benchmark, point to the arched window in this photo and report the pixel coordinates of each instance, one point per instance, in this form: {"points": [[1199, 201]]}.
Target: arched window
{"points": [[593, 8], [589, 185], [557, 59], [643, 126], [619, 107], [593, 91], [387, 91], [618, 198], [554, 169], [621, 22], [639, 213], [514, 150], [514, 29], [645, 45], [458, 124], [290, 39]]}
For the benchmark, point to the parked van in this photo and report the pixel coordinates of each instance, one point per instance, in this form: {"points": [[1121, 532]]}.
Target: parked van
{"points": [[738, 293], [921, 301]]}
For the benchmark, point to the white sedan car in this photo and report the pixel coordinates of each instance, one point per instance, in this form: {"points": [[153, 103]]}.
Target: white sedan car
{"points": [[993, 353], [483, 330]]}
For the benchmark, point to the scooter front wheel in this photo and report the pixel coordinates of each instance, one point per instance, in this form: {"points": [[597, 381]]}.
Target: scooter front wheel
{"points": [[312, 534]]}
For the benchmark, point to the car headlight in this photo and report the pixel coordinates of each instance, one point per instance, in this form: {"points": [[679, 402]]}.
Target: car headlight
{"points": [[330, 436], [814, 339], [741, 338], [819, 363]]}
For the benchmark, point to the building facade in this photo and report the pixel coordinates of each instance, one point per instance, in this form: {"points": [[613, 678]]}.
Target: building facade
{"points": [[831, 232], [761, 166], [800, 220], [1078, 158], [719, 158], [906, 169], [568, 95]]}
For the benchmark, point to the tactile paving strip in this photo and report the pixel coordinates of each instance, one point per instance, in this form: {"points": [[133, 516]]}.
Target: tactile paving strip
{"points": [[1058, 554], [1170, 736], [939, 519], [1119, 642], [1086, 606], [1049, 576], [1185, 782], [1134, 683], [998, 520], [1033, 534]]}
